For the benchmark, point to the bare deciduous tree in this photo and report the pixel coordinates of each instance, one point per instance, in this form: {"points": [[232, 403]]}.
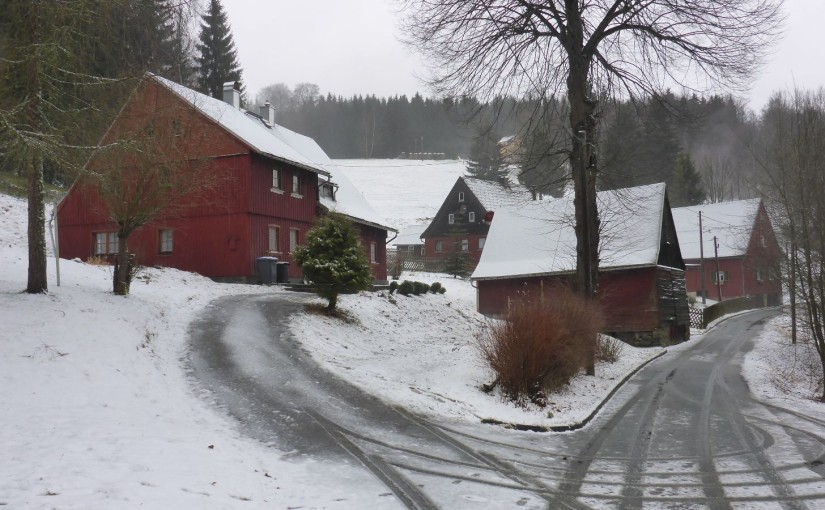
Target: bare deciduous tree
{"points": [[792, 155], [150, 166], [584, 48]]}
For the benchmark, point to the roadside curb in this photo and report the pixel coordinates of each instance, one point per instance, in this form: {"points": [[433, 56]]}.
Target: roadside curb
{"points": [[577, 425]]}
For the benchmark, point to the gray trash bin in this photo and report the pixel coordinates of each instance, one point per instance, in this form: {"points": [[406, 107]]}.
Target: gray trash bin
{"points": [[265, 267], [283, 272]]}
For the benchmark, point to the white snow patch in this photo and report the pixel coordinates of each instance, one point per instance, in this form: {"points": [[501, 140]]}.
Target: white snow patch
{"points": [[784, 374], [420, 352], [98, 410]]}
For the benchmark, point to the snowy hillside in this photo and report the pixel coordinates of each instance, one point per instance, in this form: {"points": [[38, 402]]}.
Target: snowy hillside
{"points": [[98, 411]]}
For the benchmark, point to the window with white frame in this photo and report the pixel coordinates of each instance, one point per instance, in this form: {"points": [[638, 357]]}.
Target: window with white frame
{"points": [[460, 196], [481, 242], [105, 243], [471, 216], [293, 239], [720, 277], [276, 181], [296, 185], [465, 245], [274, 235], [760, 275], [439, 246], [165, 240], [373, 253], [451, 218]]}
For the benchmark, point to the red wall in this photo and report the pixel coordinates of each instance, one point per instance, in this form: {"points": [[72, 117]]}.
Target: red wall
{"points": [[449, 243], [763, 254], [628, 298], [379, 237], [217, 233]]}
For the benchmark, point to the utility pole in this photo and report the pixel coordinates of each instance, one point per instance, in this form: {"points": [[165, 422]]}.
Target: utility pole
{"points": [[702, 262], [718, 274], [589, 288]]}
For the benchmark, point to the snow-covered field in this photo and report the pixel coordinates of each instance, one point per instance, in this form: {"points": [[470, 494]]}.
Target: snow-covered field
{"points": [[403, 191], [98, 410]]}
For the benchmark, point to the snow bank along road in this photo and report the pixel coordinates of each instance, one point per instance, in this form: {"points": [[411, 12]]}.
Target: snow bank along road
{"points": [[684, 433]]}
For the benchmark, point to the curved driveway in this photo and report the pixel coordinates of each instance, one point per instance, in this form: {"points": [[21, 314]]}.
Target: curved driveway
{"points": [[683, 433]]}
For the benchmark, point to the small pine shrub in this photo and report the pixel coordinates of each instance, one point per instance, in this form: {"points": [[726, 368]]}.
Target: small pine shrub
{"points": [[538, 347], [420, 288], [442, 290], [393, 286], [435, 287], [406, 288]]}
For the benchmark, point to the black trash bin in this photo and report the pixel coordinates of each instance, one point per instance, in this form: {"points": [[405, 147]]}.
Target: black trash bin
{"points": [[265, 267], [283, 272]]}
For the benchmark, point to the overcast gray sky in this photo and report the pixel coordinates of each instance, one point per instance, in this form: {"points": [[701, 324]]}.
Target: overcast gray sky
{"points": [[351, 47]]}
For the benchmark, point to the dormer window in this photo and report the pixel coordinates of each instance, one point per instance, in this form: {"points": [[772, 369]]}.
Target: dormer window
{"points": [[460, 196], [328, 190]]}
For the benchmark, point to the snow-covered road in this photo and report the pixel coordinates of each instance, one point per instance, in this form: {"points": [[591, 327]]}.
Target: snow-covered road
{"points": [[684, 432]]}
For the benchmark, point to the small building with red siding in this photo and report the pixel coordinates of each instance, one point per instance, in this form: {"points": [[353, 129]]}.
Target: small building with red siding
{"points": [[462, 221], [531, 252], [272, 185], [747, 250]]}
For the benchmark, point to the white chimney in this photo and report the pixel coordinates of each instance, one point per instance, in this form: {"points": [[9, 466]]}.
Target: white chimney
{"points": [[267, 112], [230, 95]]}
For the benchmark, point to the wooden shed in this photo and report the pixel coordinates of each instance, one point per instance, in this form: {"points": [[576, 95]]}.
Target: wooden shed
{"points": [[531, 251]]}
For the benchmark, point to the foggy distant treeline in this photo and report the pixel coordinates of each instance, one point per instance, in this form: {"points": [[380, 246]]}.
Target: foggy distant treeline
{"points": [[639, 142]]}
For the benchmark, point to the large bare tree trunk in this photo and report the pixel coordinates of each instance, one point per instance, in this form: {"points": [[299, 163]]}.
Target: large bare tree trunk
{"points": [[37, 281], [582, 162]]}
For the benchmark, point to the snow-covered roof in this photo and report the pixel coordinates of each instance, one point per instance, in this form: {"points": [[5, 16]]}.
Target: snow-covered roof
{"points": [[403, 191], [348, 199], [731, 222], [286, 145], [410, 234], [538, 237], [276, 142], [493, 195]]}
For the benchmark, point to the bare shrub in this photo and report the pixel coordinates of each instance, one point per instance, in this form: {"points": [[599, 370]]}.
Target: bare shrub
{"points": [[539, 346], [609, 349]]}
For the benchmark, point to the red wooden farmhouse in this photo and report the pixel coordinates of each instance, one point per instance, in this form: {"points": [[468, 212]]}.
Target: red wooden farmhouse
{"points": [[747, 250], [272, 185], [531, 252], [462, 222]]}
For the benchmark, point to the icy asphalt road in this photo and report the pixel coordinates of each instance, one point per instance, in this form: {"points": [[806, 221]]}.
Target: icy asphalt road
{"points": [[684, 433]]}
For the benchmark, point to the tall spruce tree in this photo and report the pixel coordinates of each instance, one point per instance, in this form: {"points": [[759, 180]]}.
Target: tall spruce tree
{"points": [[686, 183], [485, 160], [218, 59]]}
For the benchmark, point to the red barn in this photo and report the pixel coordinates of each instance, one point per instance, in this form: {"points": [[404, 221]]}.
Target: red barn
{"points": [[462, 222], [748, 252], [531, 251], [272, 184]]}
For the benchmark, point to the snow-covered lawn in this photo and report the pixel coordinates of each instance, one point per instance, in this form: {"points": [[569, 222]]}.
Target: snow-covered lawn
{"points": [[419, 352], [97, 411], [784, 374]]}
